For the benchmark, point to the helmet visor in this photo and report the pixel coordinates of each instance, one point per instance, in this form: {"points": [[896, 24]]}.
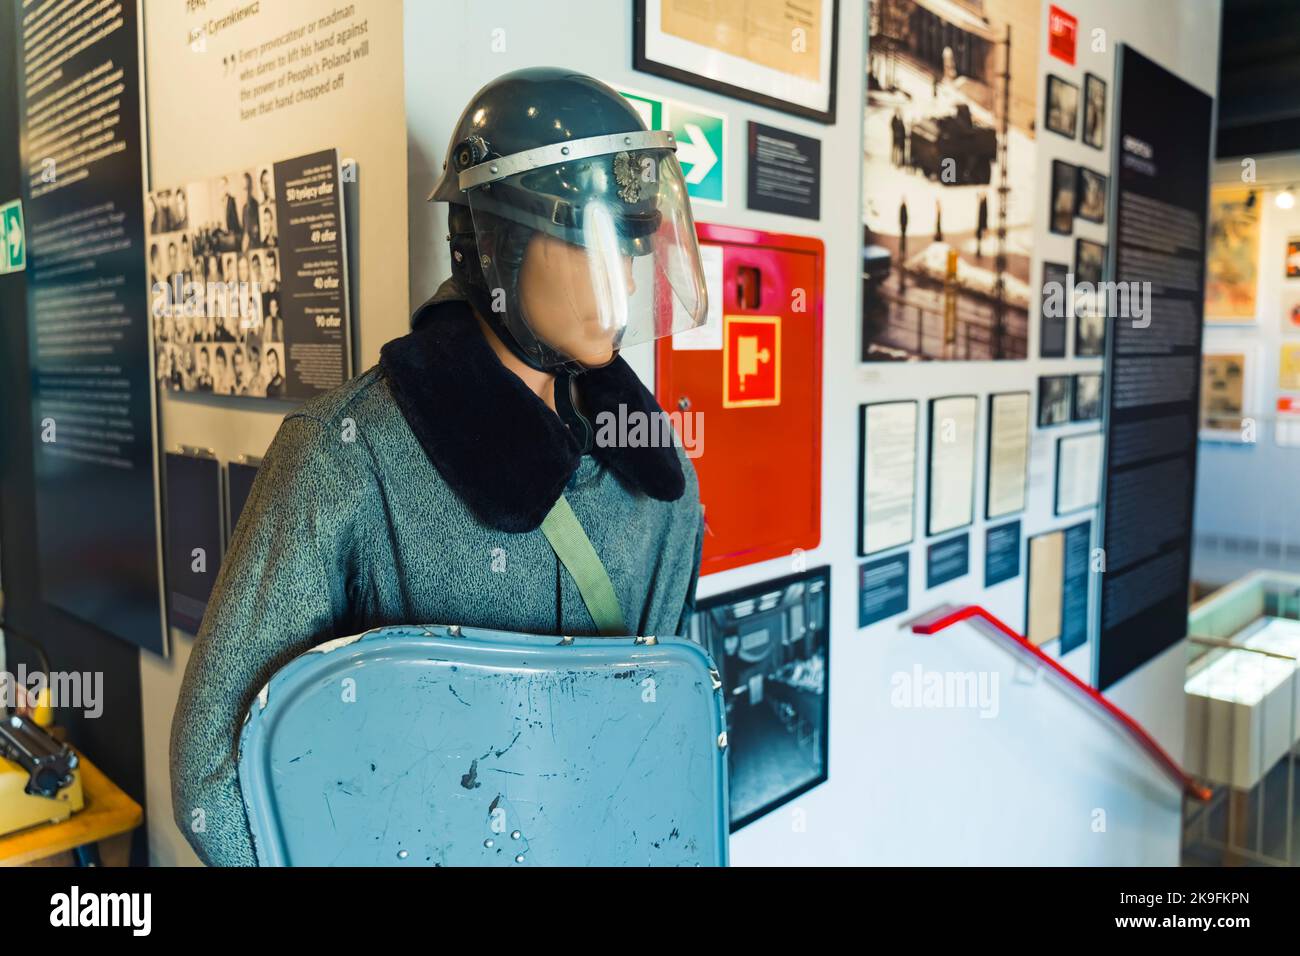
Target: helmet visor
{"points": [[606, 256]]}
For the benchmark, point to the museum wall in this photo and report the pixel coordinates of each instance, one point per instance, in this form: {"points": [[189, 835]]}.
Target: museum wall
{"points": [[1047, 783], [1247, 511], [200, 93]]}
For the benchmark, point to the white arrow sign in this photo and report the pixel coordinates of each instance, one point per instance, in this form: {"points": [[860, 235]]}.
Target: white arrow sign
{"points": [[698, 153]]}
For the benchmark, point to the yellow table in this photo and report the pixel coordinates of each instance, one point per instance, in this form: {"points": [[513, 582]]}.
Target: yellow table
{"points": [[108, 812]]}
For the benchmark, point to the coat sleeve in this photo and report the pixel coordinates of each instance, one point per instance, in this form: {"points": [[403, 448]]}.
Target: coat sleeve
{"points": [[281, 590], [689, 607]]}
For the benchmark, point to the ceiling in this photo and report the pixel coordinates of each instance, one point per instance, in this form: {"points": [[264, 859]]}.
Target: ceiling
{"points": [[1259, 77]]}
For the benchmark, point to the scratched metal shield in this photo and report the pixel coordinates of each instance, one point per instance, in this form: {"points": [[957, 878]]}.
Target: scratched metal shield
{"points": [[442, 746]]}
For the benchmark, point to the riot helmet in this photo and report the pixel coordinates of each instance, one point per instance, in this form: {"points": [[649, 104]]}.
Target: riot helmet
{"points": [[570, 225]]}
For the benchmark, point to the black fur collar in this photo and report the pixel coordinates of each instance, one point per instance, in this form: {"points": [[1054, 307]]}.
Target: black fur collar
{"points": [[498, 446]]}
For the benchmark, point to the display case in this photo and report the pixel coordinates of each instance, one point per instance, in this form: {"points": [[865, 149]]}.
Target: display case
{"points": [[1242, 693]]}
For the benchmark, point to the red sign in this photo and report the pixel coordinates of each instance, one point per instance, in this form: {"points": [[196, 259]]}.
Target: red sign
{"points": [[751, 364], [760, 470], [1063, 33]]}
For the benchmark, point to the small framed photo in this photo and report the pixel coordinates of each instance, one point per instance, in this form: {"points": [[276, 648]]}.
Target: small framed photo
{"points": [[1229, 399], [771, 643], [1054, 399], [1065, 181], [1092, 196], [1293, 258], [1290, 309], [1089, 261], [1089, 329], [1094, 110], [1052, 310], [1086, 405], [1062, 106]]}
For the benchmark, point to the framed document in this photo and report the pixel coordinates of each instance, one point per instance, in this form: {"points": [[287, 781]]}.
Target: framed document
{"points": [[1008, 454], [951, 481], [1078, 472], [886, 475], [778, 53], [1044, 593]]}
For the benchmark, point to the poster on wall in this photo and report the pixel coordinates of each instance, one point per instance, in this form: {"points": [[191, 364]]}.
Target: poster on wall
{"points": [[771, 52], [95, 464], [1288, 367], [1232, 261], [248, 281], [1227, 381], [886, 475], [771, 644], [1044, 594], [949, 180], [1056, 597], [1160, 176]]}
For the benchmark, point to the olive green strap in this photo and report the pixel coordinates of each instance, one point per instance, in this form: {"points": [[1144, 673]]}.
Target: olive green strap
{"points": [[576, 553]]}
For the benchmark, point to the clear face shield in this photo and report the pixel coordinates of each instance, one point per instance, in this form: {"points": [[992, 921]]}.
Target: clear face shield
{"points": [[587, 256]]}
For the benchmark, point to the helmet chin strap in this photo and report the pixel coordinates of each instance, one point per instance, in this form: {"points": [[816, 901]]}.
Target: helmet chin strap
{"points": [[567, 407]]}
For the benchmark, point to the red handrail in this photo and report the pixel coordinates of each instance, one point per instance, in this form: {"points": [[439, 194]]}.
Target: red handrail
{"points": [[946, 618]]}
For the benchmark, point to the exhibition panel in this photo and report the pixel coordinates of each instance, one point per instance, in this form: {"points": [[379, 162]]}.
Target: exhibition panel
{"points": [[452, 434]]}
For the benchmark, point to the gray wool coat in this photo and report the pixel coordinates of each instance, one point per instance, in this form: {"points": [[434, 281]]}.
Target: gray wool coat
{"points": [[351, 526]]}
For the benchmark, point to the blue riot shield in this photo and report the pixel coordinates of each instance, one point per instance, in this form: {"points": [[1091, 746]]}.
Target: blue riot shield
{"points": [[448, 746]]}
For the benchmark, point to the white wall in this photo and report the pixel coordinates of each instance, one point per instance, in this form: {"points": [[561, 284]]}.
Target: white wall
{"points": [[196, 132], [905, 786]]}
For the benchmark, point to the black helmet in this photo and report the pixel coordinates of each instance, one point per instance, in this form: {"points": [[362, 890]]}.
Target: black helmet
{"points": [[570, 226]]}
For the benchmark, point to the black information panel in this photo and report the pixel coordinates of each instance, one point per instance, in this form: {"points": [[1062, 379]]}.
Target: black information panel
{"points": [[193, 538], [1074, 587], [92, 392], [785, 172], [239, 482], [1161, 175]]}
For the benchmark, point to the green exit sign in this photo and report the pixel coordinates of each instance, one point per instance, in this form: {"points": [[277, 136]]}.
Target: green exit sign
{"points": [[13, 257]]}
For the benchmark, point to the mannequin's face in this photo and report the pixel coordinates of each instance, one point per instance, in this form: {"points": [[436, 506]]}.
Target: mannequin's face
{"points": [[555, 289]]}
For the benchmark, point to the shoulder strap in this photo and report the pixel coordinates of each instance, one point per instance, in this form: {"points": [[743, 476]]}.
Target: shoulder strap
{"points": [[579, 557]]}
